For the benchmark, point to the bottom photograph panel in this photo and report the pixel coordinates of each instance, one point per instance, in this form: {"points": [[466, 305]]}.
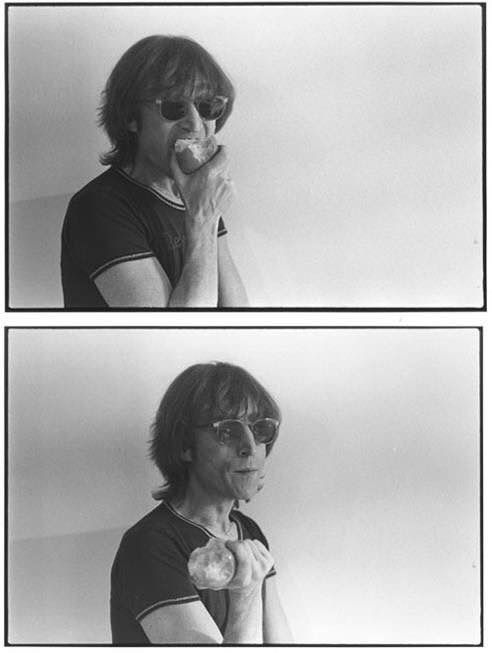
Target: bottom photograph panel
{"points": [[244, 485]]}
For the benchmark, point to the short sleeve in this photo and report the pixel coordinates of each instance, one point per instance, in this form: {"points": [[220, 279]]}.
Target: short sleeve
{"points": [[151, 573], [222, 228], [103, 229], [252, 531]]}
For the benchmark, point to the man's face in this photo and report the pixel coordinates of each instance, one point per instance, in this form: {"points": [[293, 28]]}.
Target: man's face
{"points": [[228, 471], [156, 135]]}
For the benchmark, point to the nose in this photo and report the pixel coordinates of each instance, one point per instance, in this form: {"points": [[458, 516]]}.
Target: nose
{"points": [[247, 443], [192, 119]]}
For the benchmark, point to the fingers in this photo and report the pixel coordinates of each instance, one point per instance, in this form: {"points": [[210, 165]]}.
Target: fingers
{"points": [[225, 194], [209, 189], [263, 555], [253, 562], [219, 162], [178, 175], [261, 548], [244, 564]]}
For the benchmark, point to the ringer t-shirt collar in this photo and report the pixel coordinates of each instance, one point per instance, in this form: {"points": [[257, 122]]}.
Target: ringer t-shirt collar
{"points": [[205, 530], [162, 196]]}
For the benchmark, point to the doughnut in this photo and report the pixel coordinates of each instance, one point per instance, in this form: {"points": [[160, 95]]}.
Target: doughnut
{"points": [[192, 153], [212, 566]]}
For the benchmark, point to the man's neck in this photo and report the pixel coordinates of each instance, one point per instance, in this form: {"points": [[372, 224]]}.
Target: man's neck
{"points": [[154, 179], [214, 516]]}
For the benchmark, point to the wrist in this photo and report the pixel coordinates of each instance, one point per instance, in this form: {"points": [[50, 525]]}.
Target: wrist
{"points": [[198, 226], [245, 595], [245, 616]]}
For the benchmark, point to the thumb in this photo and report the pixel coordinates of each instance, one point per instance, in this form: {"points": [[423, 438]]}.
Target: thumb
{"points": [[231, 545], [178, 175]]}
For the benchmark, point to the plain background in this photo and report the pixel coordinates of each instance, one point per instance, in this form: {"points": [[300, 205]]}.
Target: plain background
{"points": [[355, 144], [371, 503]]}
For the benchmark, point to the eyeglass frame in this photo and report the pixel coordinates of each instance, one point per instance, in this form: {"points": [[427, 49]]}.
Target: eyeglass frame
{"points": [[215, 425], [160, 100]]}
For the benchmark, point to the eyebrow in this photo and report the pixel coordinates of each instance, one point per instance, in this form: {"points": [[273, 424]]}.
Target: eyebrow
{"points": [[254, 413], [175, 97], [195, 89]]}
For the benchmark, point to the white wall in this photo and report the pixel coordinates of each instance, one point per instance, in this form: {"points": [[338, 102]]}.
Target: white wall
{"points": [[371, 503], [355, 143]]}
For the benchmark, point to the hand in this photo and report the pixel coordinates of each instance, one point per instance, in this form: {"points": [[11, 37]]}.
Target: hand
{"points": [[208, 192], [253, 562]]}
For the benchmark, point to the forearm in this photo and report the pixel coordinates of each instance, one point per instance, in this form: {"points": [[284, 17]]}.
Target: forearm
{"points": [[276, 629], [231, 288], [245, 618], [198, 283], [232, 292]]}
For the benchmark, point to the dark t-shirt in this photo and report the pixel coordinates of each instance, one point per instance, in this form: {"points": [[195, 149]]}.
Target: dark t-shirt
{"points": [[115, 219], [150, 570]]}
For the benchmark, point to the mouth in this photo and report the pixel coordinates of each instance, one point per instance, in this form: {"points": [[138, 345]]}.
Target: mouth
{"points": [[188, 136], [246, 471]]}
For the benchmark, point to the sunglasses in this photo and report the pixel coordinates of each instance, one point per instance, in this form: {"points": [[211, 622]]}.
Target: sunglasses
{"points": [[209, 109], [231, 431]]}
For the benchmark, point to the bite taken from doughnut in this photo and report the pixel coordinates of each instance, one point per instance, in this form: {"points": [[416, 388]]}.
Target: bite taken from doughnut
{"points": [[193, 153], [212, 566]]}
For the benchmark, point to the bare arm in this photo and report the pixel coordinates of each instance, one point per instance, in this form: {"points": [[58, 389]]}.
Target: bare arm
{"points": [[144, 283], [231, 288], [245, 618], [206, 193], [190, 623], [276, 629]]}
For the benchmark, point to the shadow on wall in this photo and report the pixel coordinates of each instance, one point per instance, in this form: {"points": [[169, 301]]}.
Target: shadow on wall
{"points": [[34, 251], [59, 588]]}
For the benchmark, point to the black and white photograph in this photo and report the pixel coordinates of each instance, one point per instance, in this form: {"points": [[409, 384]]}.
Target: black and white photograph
{"points": [[259, 420], [273, 156], [310, 486]]}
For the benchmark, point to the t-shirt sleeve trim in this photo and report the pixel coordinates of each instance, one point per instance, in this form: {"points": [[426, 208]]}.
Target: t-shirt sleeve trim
{"points": [[222, 232], [119, 259], [271, 573], [178, 601]]}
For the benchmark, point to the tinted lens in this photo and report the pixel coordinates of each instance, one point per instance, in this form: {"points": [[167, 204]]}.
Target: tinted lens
{"points": [[172, 110], [265, 430], [212, 109], [229, 431]]}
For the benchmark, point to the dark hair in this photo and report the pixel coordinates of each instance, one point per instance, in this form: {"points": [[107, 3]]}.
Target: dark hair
{"points": [[146, 70], [201, 394]]}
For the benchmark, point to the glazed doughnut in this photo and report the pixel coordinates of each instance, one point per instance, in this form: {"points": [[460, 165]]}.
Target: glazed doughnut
{"points": [[192, 153], [212, 566]]}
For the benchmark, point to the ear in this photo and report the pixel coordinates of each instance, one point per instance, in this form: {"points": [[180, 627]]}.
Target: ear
{"points": [[186, 455]]}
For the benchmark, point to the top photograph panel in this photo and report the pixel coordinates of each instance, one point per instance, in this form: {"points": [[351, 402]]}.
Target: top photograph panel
{"points": [[314, 157]]}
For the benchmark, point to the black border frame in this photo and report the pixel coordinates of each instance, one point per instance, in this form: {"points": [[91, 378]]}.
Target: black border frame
{"points": [[274, 309], [256, 328]]}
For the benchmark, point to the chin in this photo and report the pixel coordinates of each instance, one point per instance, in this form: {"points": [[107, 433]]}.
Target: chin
{"points": [[244, 489], [245, 496]]}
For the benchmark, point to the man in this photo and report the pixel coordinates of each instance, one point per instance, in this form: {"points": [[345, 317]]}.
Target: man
{"points": [[144, 233], [214, 429]]}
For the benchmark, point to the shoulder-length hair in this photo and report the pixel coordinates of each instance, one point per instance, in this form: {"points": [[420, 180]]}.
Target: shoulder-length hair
{"points": [[201, 394], [146, 70]]}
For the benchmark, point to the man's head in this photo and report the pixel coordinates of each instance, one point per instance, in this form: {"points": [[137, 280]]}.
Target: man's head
{"points": [[158, 68], [190, 437]]}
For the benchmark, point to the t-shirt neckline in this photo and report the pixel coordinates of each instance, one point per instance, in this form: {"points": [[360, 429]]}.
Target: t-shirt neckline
{"points": [[203, 528], [162, 196]]}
